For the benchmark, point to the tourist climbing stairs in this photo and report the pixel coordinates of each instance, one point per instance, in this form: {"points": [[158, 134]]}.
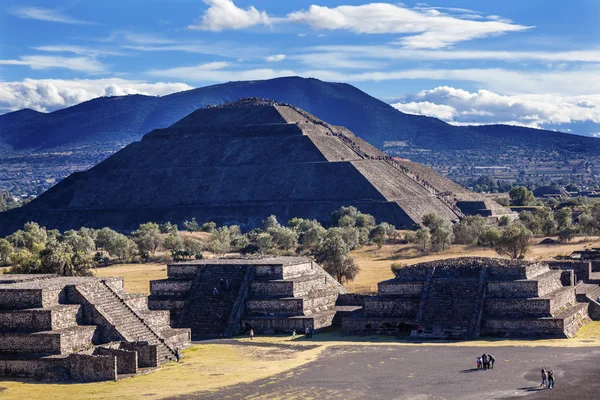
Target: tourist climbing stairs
{"points": [[125, 320], [208, 313]]}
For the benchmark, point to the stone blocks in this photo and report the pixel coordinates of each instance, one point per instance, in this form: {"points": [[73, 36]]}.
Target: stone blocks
{"points": [[465, 297], [66, 328]]}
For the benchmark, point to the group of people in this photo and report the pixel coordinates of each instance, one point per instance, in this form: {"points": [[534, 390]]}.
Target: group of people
{"points": [[308, 333], [486, 361], [223, 284], [547, 378]]}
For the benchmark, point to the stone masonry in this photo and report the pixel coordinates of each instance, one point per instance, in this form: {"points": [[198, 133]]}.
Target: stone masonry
{"points": [[464, 298], [77, 328], [268, 295]]}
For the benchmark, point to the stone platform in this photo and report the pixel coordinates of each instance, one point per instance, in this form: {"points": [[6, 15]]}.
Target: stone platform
{"points": [[268, 295], [77, 328], [464, 298]]}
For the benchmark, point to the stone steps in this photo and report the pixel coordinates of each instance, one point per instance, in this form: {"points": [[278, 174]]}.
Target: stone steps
{"points": [[450, 304], [206, 314], [124, 319]]}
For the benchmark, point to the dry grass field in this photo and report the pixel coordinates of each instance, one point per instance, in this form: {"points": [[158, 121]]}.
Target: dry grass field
{"points": [[374, 263]]}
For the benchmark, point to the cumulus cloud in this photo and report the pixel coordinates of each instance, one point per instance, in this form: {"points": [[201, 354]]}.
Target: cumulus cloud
{"points": [[51, 94], [224, 14], [81, 64], [275, 58], [427, 28], [46, 14], [485, 107]]}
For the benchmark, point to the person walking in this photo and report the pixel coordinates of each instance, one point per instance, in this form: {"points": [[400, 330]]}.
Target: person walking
{"points": [[484, 360], [492, 360], [550, 379], [307, 333], [177, 355], [215, 292], [294, 334], [251, 334], [479, 363], [544, 378]]}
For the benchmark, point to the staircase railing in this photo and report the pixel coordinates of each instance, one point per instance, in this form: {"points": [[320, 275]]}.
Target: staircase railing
{"points": [[475, 326], [188, 303], [141, 319], [424, 295], [238, 307]]}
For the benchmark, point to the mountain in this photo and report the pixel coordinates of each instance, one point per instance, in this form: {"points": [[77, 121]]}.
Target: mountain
{"points": [[41, 148], [127, 118], [240, 163]]}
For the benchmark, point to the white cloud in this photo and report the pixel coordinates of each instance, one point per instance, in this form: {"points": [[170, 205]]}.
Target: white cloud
{"points": [[394, 53], [485, 107], [217, 72], [46, 14], [80, 50], [52, 94], [441, 111], [81, 64], [224, 14], [275, 58], [136, 38], [426, 28]]}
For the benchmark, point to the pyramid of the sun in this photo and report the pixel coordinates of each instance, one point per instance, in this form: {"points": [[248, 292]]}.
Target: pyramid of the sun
{"points": [[239, 163]]}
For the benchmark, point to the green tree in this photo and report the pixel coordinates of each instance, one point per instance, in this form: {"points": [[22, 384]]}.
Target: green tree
{"points": [[564, 217], [521, 196], [440, 231], [382, 233], [148, 238], [5, 250], [167, 227], [489, 237], [284, 238], [514, 241], [173, 242], [220, 241], [79, 241], [192, 226], [208, 227], [194, 247], [334, 256], [122, 247], [567, 233], [469, 229], [422, 238], [265, 243], [270, 222]]}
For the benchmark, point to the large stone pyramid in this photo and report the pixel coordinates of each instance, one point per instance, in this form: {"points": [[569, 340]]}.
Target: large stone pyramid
{"points": [[239, 163]]}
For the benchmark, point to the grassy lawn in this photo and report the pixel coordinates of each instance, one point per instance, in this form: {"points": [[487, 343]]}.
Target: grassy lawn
{"points": [[205, 367]]}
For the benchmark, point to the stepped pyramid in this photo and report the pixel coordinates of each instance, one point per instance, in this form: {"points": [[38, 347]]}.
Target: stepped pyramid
{"points": [[239, 163]]}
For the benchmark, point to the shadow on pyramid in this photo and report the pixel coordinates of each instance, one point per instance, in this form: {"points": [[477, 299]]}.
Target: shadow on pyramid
{"points": [[239, 163]]}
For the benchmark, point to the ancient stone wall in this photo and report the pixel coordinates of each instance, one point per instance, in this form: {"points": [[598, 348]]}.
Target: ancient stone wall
{"points": [[127, 361], [92, 368]]}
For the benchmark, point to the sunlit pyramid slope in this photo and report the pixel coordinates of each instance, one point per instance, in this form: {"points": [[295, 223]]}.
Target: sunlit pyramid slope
{"points": [[237, 164]]}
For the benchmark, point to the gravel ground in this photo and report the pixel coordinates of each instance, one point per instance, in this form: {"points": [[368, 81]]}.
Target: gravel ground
{"points": [[428, 372]]}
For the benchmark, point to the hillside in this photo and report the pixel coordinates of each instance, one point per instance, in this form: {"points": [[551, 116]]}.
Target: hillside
{"points": [[108, 123]]}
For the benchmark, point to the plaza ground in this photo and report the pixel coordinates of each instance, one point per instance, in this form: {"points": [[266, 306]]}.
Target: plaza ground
{"points": [[331, 366]]}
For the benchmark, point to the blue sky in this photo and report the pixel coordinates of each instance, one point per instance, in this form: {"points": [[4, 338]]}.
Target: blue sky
{"points": [[526, 62]]}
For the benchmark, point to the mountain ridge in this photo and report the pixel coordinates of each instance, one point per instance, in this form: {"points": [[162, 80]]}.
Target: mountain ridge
{"points": [[127, 118]]}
